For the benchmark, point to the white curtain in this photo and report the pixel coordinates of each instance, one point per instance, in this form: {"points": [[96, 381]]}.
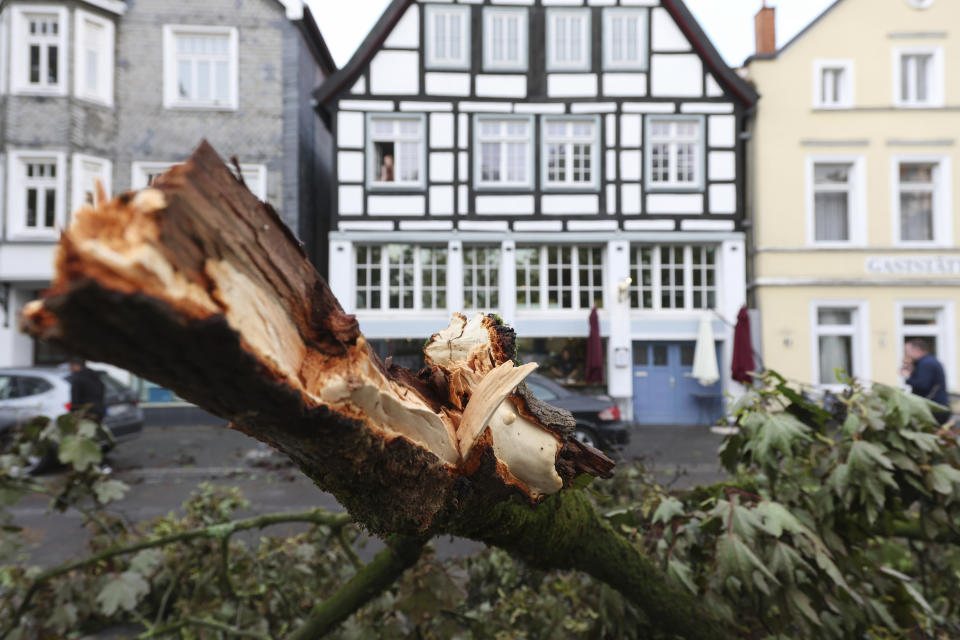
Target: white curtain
{"points": [[835, 353], [832, 215]]}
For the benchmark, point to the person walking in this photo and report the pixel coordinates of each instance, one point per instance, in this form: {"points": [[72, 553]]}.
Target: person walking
{"points": [[86, 391], [925, 375]]}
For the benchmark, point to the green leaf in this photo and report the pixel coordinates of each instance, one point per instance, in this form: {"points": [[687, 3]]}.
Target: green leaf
{"points": [[736, 559], [785, 560], [778, 433], [928, 442], [109, 490], [79, 452], [669, 509], [799, 601], [122, 593], [682, 574], [865, 456], [146, 561], [87, 429], [778, 519], [942, 477], [851, 425]]}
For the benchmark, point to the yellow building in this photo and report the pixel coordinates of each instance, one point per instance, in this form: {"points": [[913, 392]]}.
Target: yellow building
{"points": [[855, 227]]}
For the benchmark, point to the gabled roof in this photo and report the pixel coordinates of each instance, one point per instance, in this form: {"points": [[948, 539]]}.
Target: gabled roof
{"points": [[684, 19], [803, 32]]}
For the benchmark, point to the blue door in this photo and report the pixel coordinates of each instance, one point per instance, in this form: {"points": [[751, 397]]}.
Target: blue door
{"points": [[664, 389]]}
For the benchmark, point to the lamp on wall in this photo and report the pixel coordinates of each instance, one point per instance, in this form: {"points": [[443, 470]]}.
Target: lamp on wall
{"points": [[624, 288]]}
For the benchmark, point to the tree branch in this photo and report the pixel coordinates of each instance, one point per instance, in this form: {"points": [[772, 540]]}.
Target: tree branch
{"points": [[315, 516], [369, 582]]}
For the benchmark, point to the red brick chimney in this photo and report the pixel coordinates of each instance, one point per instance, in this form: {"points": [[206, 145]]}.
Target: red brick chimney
{"points": [[765, 26]]}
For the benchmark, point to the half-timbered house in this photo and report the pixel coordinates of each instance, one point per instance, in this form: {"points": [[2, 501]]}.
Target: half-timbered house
{"points": [[537, 159]]}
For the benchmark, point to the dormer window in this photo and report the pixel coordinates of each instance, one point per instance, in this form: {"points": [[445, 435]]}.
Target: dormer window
{"points": [[568, 40], [448, 37]]}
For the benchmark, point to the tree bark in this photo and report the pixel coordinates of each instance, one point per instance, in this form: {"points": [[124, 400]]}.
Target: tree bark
{"points": [[198, 286]]}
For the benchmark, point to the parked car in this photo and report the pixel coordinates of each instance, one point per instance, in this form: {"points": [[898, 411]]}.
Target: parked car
{"points": [[45, 391], [597, 416]]}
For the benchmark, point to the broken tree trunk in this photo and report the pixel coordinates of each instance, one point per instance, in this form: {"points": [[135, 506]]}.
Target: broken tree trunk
{"points": [[198, 286]]}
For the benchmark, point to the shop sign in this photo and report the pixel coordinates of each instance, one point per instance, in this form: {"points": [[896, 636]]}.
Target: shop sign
{"points": [[914, 265]]}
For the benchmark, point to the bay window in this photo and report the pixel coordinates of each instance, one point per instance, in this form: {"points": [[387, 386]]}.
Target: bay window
{"points": [[39, 44], [481, 277], [559, 277], [93, 59], [36, 192], [673, 277], [400, 276]]}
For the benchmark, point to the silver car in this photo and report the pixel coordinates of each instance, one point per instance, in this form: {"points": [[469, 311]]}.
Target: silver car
{"points": [[45, 391]]}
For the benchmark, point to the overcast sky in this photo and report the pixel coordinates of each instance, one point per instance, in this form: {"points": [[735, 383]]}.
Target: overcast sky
{"points": [[729, 23]]}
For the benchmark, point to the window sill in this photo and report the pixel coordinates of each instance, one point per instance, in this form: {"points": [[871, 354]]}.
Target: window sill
{"points": [[916, 106], [186, 106], [505, 69], [440, 66], [673, 188], [99, 102], [833, 107], [629, 68], [21, 236], [508, 188], [394, 187], [37, 92], [584, 188], [581, 68]]}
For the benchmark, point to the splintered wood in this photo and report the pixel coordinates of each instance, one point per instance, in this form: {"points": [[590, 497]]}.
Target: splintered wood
{"points": [[197, 285]]}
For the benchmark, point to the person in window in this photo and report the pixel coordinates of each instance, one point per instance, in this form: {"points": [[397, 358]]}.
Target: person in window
{"points": [[924, 374], [565, 367], [386, 168], [86, 391]]}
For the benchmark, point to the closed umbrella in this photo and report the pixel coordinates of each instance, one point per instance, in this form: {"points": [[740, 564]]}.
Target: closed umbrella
{"points": [[705, 368], [742, 363], [594, 372]]}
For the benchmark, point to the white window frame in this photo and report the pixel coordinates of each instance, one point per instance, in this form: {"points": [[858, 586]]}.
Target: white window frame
{"points": [[372, 170], [105, 175], [417, 286], [857, 210], [431, 61], [656, 284], [478, 139], [19, 55], [103, 92], [491, 13], [171, 97], [699, 165], [920, 4], [643, 16], [595, 168], [491, 287], [574, 265], [936, 96], [860, 343], [942, 199], [254, 175], [16, 194], [847, 100], [945, 332], [586, 61]]}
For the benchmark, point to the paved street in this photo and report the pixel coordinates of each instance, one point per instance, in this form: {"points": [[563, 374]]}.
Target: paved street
{"points": [[166, 463]]}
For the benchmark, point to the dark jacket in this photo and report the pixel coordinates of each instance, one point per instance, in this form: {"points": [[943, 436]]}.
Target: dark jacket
{"points": [[929, 381], [87, 392]]}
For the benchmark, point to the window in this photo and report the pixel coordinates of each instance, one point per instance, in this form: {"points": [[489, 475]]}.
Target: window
{"points": [[142, 175], [918, 77], [674, 153], [505, 153], [835, 200], [481, 278], [200, 67], [831, 202], [925, 323], [504, 39], [401, 276], [570, 152], [568, 40], [87, 170], [36, 193], [673, 277], [395, 151], [93, 58], [559, 277], [836, 345], [448, 37], [920, 200], [833, 84], [625, 39], [37, 54]]}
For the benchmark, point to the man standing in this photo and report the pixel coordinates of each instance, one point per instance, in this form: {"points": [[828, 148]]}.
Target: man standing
{"points": [[86, 390], [925, 375]]}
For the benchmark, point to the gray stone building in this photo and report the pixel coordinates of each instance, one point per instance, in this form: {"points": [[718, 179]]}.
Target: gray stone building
{"points": [[118, 91]]}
